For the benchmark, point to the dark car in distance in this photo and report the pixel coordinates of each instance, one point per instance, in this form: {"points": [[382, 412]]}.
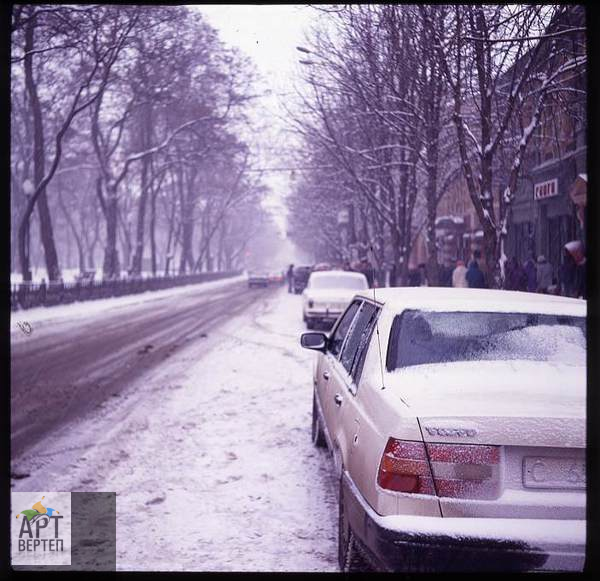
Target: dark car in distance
{"points": [[258, 279], [301, 274]]}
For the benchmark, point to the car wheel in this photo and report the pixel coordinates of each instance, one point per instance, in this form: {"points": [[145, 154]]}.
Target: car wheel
{"points": [[349, 557], [318, 437]]}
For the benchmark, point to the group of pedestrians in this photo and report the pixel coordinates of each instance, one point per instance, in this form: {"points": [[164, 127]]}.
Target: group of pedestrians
{"points": [[471, 277], [535, 275]]}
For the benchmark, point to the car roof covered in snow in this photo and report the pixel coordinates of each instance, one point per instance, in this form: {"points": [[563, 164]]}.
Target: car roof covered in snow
{"points": [[399, 299], [337, 274]]}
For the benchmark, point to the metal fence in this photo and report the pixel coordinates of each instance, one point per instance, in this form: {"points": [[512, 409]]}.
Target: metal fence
{"points": [[28, 295]]}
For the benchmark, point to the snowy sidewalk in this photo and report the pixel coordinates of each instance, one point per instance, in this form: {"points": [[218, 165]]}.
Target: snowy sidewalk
{"points": [[213, 467]]}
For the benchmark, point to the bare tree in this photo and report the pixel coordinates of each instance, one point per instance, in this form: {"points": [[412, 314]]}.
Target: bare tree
{"points": [[499, 67]]}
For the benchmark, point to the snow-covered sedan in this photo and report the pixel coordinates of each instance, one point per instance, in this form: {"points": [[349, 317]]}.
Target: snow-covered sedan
{"points": [[328, 293], [456, 419]]}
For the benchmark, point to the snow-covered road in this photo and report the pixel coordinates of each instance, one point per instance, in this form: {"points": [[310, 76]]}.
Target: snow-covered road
{"points": [[210, 454]]}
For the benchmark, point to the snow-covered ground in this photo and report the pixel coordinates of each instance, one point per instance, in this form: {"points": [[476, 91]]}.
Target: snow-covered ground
{"points": [[210, 455]]}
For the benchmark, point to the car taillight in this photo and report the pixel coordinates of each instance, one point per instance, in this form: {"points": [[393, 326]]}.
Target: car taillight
{"points": [[465, 470], [452, 470], [404, 468], [311, 304]]}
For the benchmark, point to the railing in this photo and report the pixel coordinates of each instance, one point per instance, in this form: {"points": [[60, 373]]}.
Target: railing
{"points": [[28, 295]]}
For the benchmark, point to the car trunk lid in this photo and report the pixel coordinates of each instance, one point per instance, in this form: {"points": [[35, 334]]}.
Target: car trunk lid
{"points": [[531, 413]]}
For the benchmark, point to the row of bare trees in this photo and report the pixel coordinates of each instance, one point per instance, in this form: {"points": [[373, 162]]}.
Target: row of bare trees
{"points": [[126, 124], [405, 102]]}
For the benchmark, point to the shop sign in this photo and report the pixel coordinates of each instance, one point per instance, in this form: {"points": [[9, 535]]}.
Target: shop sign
{"points": [[543, 190]]}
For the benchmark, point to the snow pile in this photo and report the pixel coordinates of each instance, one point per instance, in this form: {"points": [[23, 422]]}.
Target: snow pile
{"points": [[98, 307]]}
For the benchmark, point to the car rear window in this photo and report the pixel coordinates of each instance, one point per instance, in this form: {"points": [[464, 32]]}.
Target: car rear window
{"points": [[345, 282], [425, 337]]}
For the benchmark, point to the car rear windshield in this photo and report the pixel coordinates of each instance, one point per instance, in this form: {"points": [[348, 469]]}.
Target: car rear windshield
{"points": [[425, 337], [347, 282]]}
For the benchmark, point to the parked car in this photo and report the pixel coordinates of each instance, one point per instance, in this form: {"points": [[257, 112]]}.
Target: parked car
{"points": [[301, 274], [456, 421], [258, 279], [327, 294], [322, 266], [276, 278]]}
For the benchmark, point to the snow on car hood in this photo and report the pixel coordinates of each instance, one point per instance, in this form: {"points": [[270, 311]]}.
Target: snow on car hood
{"points": [[505, 402]]}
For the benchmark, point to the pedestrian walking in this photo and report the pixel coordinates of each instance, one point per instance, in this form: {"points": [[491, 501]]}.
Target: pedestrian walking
{"points": [[459, 275], [581, 280], [445, 274], [577, 251], [531, 273], [544, 274], [568, 273], [423, 275], [290, 278], [474, 276], [480, 261], [520, 277], [515, 275], [367, 270]]}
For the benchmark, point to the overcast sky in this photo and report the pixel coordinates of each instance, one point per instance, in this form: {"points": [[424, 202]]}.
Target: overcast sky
{"points": [[269, 35]]}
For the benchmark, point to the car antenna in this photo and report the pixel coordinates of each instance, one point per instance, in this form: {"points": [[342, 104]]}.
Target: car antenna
{"points": [[371, 257]]}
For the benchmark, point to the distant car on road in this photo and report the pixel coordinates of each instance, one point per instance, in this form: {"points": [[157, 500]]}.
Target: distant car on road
{"points": [[456, 419], [322, 266], [276, 278], [258, 279], [301, 274], [328, 293]]}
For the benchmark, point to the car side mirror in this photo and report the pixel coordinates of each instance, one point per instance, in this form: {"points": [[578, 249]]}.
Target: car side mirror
{"points": [[314, 341]]}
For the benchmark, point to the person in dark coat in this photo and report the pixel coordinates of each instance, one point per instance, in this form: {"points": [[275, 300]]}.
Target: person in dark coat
{"points": [[445, 274], [520, 277], [508, 273], [290, 278], [581, 280], [544, 275], [577, 251], [474, 275], [367, 270], [531, 272], [516, 277], [568, 272]]}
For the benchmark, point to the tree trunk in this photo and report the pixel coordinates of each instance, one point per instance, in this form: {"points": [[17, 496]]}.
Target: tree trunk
{"points": [[433, 274], [39, 162], [153, 230], [111, 268], [71, 223], [92, 246], [187, 221], [145, 131]]}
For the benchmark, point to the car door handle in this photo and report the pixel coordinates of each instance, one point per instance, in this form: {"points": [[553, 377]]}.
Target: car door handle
{"points": [[338, 399], [326, 375]]}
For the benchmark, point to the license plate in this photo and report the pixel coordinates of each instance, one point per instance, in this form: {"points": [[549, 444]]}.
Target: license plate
{"points": [[563, 473]]}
